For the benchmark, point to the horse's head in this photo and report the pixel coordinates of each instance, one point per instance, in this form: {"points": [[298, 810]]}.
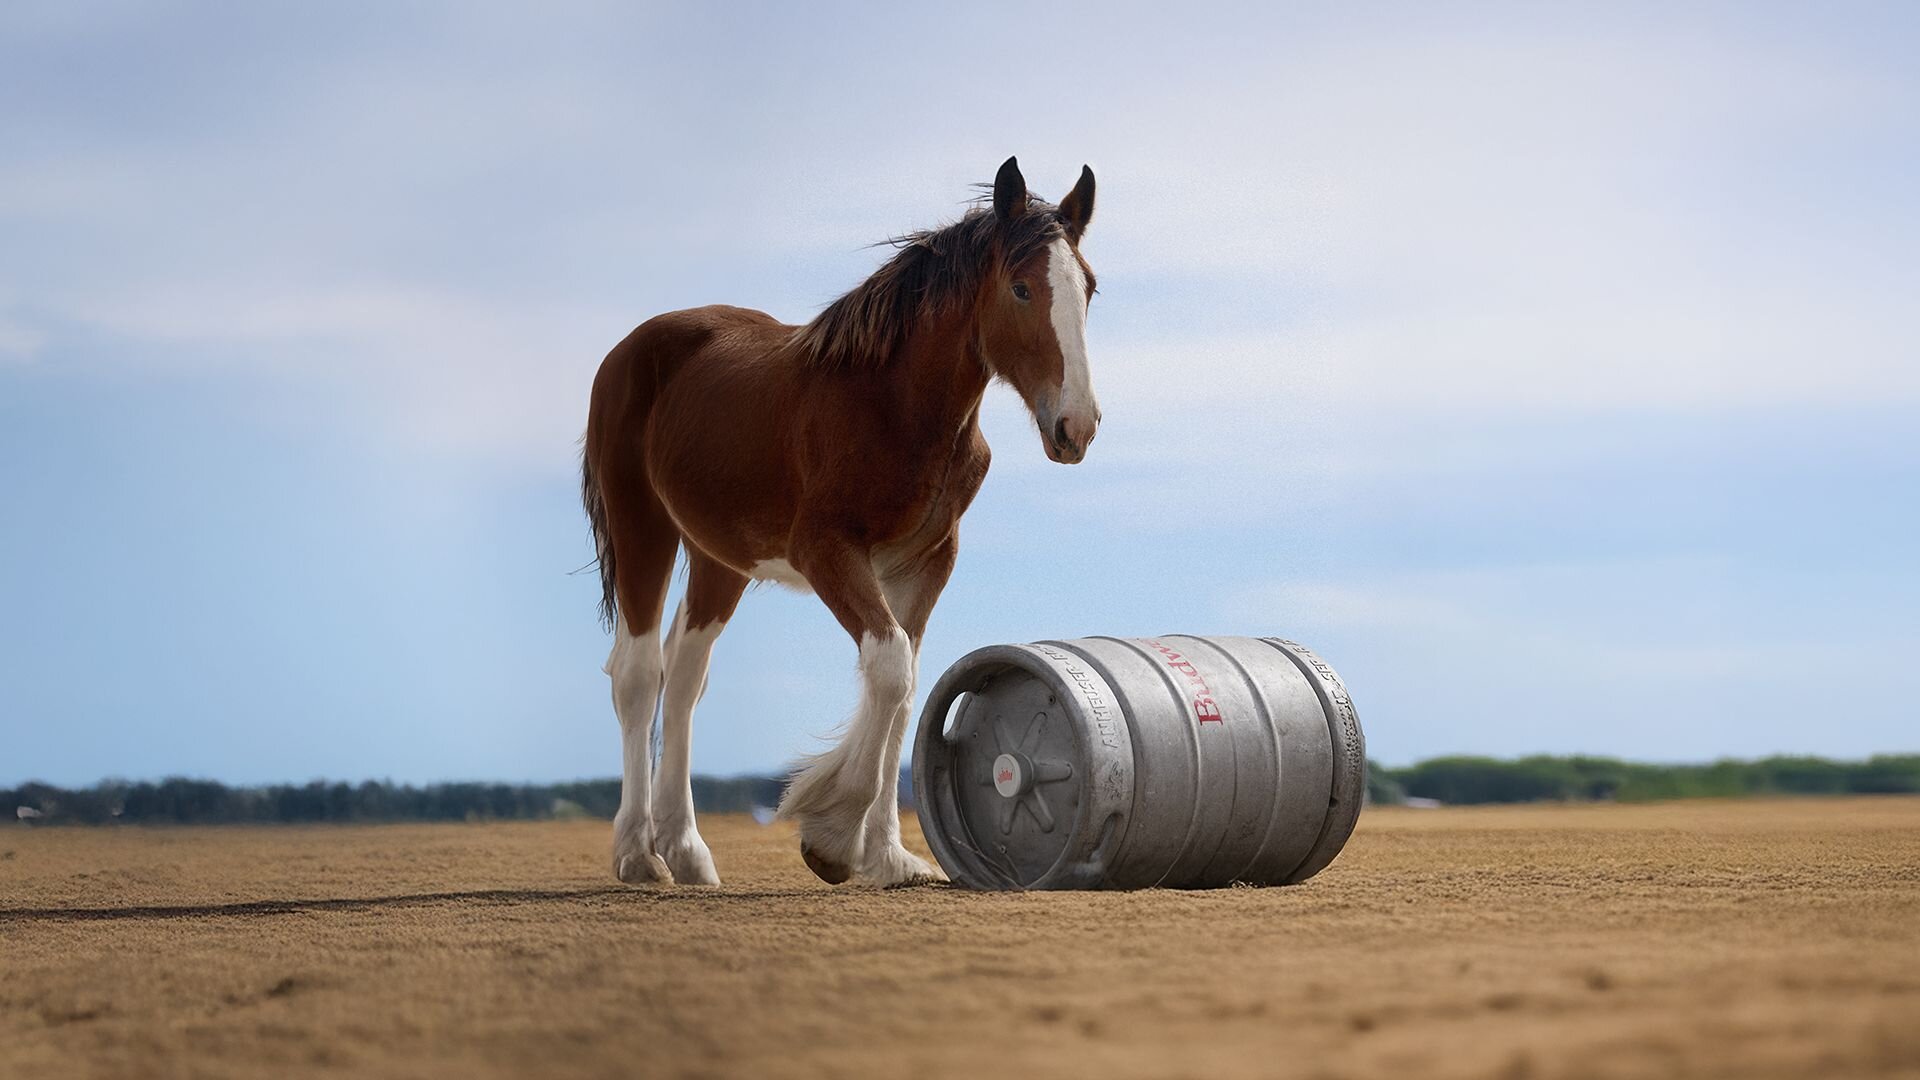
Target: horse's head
{"points": [[1033, 310]]}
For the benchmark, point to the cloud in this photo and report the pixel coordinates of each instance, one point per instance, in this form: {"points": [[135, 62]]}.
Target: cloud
{"points": [[458, 215], [1668, 658], [436, 369], [17, 343], [20, 343], [1709, 617]]}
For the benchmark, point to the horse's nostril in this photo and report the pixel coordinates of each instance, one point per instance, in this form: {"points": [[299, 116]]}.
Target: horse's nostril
{"points": [[1060, 432]]}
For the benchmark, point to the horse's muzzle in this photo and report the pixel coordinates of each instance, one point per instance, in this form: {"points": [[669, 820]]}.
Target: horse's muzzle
{"points": [[1067, 440]]}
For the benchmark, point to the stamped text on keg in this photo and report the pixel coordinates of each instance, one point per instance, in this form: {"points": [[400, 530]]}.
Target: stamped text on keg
{"points": [[1096, 702]]}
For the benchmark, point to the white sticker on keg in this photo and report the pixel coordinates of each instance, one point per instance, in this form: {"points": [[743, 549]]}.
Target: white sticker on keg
{"points": [[1006, 775]]}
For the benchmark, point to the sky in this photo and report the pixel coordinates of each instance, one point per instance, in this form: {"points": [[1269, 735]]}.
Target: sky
{"points": [[1553, 374]]}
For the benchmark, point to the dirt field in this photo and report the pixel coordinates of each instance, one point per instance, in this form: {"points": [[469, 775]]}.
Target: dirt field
{"points": [[1732, 939]]}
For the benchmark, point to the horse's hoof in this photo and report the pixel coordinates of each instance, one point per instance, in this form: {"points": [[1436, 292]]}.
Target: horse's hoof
{"points": [[642, 868], [833, 873], [896, 867], [689, 861], [918, 881]]}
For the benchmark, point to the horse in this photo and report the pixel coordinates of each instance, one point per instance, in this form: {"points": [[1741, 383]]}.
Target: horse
{"points": [[836, 457]]}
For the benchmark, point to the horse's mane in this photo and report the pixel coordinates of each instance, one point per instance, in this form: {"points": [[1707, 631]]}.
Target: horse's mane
{"points": [[935, 271]]}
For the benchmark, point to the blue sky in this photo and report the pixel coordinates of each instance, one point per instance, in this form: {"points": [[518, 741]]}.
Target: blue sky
{"points": [[1554, 375]]}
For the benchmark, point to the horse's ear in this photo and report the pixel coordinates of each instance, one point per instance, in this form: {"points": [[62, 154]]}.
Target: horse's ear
{"points": [[1077, 208], [1009, 191]]}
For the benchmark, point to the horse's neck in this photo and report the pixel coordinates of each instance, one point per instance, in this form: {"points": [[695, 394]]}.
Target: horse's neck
{"points": [[942, 376]]}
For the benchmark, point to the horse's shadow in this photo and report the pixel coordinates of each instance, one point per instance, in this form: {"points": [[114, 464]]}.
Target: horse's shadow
{"points": [[487, 897]]}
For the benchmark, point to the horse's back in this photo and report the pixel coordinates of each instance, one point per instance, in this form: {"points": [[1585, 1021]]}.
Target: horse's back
{"points": [[646, 359]]}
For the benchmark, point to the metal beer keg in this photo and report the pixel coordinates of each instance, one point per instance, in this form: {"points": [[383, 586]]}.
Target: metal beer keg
{"points": [[1123, 763]]}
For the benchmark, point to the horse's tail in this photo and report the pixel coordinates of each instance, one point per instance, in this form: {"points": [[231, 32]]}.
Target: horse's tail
{"points": [[596, 507]]}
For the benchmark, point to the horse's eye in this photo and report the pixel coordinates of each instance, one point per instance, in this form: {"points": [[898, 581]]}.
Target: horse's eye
{"points": [[1021, 292]]}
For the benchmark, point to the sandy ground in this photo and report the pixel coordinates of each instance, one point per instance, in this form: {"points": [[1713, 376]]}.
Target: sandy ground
{"points": [[1741, 939]]}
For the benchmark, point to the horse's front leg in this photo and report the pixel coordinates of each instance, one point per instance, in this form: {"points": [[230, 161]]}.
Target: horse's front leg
{"points": [[834, 791], [912, 597]]}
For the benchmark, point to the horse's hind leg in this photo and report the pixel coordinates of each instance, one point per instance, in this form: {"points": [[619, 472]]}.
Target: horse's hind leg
{"points": [[712, 591], [643, 541]]}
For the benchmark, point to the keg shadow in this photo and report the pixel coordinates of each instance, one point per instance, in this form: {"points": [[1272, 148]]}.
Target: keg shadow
{"points": [[253, 909]]}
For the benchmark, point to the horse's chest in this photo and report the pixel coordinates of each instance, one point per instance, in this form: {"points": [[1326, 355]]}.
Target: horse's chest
{"points": [[941, 493]]}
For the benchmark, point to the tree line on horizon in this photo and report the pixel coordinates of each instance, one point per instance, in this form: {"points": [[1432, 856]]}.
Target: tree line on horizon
{"points": [[185, 801], [1448, 780], [1465, 780]]}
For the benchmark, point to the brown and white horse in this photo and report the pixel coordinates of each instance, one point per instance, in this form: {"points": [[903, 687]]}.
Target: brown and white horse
{"points": [[838, 457]]}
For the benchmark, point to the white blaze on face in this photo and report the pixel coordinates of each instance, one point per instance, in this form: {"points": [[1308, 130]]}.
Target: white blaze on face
{"points": [[1069, 284]]}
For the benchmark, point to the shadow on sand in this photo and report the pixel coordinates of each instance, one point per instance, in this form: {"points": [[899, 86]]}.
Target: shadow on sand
{"points": [[488, 897]]}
